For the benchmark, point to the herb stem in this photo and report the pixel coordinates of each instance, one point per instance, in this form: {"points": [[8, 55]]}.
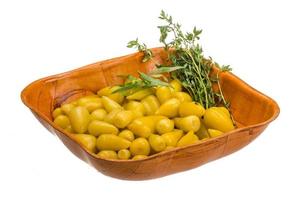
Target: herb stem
{"points": [[220, 90], [199, 77], [186, 56]]}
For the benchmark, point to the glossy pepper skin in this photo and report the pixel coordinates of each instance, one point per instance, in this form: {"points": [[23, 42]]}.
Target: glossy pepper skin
{"points": [[176, 85], [123, 118], [62, 121], [164, 126], [108, 154], [98, 114], [139, 95], [80, 118], [191, 108], [189, 138], [157, 142], [189, 123], [164, 93], [140, 146], [97, 128], [88, 141], [109, 92], [109, 118], [124, 154], [214, 133], [112, 142], [217, 118], [171, 138], [151, 104], [56, 112], [144, 126], [136, 107], [140, 122], [182, 96], [110, 104], [91, 103], [127, 134], [139, 157], [169, 108], [66, 108]]}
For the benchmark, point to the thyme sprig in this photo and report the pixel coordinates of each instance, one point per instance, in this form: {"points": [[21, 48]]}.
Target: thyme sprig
{"points": [[142, 47], [187, 62]]}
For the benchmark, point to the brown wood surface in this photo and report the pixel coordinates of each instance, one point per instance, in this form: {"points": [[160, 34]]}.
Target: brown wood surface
{"points": [[252, 111]]}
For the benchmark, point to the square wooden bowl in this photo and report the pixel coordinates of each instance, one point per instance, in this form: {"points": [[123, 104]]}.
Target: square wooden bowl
{"points": [[252, 110]]}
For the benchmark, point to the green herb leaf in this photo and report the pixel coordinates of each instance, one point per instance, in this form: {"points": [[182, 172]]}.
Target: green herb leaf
{"points": [[160, 76], [152, 82], [142, 47], [127, 87], [226, 68], [187, 63], [161, 70]]}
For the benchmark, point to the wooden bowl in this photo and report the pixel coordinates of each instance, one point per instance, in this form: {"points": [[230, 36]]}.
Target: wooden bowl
{"points": [[252, 111]]}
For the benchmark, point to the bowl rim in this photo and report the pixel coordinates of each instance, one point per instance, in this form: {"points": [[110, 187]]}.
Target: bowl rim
{"points": [[156, 155]]}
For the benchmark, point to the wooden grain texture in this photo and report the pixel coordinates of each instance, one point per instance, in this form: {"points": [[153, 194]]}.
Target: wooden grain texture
{"points": [[252, 110]]}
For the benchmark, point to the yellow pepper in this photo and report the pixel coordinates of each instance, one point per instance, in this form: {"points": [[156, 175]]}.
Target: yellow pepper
{"points": [[136, 107], [88, 141], [163, 93], [189, 123], [79, 118], [124, 154], [171, 138], [97, 128], [139, 95], [217, 118], [107, 154], [157, 142], [182, 96], [112, 142], [144, 126], [191, 108], [151, 104], [109, 92], [214, 133], [110, 104], [176, 85], [123, 118], [189, 138], [169, 108], [140, 146]]}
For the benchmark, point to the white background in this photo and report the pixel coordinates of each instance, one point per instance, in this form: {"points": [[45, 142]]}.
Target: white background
{"points": [[259, 39]]}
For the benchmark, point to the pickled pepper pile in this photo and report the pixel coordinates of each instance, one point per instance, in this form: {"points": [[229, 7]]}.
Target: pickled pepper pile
{"points": [[141, 122]]}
